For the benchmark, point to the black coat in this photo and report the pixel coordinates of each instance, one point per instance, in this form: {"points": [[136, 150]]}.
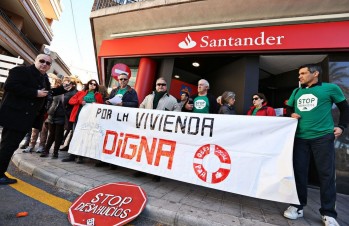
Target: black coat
{"points": [[20, 107]]}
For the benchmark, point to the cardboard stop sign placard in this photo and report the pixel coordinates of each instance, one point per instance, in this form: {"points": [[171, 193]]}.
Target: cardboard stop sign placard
{"points": [[108, 204], [120, 69]]}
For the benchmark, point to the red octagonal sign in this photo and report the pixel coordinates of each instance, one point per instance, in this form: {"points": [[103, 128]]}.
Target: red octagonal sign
{"points": [[108, 204]]}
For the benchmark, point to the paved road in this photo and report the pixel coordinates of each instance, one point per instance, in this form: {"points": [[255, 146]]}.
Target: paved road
{"points": [[173, 202]]}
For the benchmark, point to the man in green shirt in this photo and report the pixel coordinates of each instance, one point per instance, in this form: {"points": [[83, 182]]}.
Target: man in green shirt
{"points": [[311, 105], [203, 102]]}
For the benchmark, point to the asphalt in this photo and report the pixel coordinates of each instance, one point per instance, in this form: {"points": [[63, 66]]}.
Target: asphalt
{"points": [[174, 202]]}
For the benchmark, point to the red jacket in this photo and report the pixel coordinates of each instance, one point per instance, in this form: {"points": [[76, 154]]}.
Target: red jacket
{"points": [[263, 111], [76, 101]]}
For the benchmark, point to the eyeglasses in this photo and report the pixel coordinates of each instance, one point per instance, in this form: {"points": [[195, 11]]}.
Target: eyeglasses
{"points": [[48, 63], [94, 84], [123, 79], [255, 98], [161, 84]]}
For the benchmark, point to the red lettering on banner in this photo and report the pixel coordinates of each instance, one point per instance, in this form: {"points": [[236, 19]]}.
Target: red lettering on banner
{"points": [[131, 146], [169, 154], [148, 153], [107, 134], [123, 143]]}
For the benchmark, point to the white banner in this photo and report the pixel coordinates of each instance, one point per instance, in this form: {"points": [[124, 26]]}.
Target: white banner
{"points": [[246, 155]]}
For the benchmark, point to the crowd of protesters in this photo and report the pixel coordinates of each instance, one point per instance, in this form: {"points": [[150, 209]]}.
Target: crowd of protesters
{"points": [[57, 103], [36, 104]]}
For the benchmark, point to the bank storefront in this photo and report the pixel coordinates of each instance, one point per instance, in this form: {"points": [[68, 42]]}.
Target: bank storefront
{"points": [[243, 60]]}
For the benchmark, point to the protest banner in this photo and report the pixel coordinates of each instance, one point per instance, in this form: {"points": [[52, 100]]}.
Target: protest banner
{"points": [[245, 155]]}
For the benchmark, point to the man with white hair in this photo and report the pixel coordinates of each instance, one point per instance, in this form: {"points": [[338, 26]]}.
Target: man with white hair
{"points": [[23, 107], [203, 101]]}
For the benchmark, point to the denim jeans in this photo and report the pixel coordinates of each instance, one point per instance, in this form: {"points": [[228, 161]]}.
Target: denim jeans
{"points": [[324, 157]]}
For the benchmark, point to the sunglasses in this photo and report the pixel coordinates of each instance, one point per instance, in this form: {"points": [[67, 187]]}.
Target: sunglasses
{"points": [[123, 79], [255, 98], [161, 84], [48, 63], [94, 84]]}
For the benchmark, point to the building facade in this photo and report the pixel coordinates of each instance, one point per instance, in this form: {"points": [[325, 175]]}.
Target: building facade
{"points": [[243, 45], [25, 30]]}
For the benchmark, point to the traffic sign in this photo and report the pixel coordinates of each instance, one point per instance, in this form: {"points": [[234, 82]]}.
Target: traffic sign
{"points": [[120, 69], [108, 204]]}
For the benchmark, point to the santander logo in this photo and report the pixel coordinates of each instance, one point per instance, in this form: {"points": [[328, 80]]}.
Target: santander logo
{"points": [[188, 43], [227, 40]]}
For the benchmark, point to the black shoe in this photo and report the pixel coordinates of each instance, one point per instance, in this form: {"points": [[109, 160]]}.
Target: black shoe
{"points": [[55, 156], [5, 180], [139, 174], [113, 167], [70, 158], [156, 179], [24, 146], [64, 149], [80, 160], [100, 164], [44, 154]]}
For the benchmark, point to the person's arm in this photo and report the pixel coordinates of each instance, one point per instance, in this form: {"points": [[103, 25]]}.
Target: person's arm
{"points": [[213, 105], [112, 94], [58, 91], [344, 114]]}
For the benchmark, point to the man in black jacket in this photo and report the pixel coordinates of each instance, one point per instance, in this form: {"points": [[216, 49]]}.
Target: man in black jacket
{"points": [[23, 107]]}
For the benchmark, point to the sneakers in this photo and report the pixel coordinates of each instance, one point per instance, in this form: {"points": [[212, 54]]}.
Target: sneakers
{"points": [[329, 221], [5, 180], [28, 150], [40, 149], [293, 213]]}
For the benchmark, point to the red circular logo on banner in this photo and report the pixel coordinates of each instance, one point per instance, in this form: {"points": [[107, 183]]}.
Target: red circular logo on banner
{"points": [[120, 69], [109, 204], [212, 163]]}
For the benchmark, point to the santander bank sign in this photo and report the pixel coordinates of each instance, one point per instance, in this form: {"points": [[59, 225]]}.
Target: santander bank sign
{"points": [[207, 42], [328, 35]]}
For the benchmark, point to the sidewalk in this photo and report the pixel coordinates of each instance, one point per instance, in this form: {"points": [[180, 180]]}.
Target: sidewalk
{"points": [[173, 202]]}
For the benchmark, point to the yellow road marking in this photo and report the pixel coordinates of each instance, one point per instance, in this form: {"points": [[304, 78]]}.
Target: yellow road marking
{"points": [[42, 196]]}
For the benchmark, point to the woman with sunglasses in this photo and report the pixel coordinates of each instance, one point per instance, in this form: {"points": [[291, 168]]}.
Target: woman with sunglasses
{"points": [[260, 107], [88, 95]]}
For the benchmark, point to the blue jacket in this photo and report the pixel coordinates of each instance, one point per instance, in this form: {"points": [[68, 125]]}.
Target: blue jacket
{"points": [[129, 99]]}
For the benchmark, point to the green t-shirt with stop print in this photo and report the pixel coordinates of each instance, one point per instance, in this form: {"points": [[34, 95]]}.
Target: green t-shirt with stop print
{"points": [[201, 104], [314, 105]]}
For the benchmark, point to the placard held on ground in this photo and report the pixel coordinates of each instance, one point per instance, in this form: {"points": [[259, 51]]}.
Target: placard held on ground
{"points": [[108, 204]]}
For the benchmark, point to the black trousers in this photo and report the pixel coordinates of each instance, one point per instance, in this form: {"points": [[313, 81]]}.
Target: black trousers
{"points": [[56, 133], [324, 156], [10, 140]]}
